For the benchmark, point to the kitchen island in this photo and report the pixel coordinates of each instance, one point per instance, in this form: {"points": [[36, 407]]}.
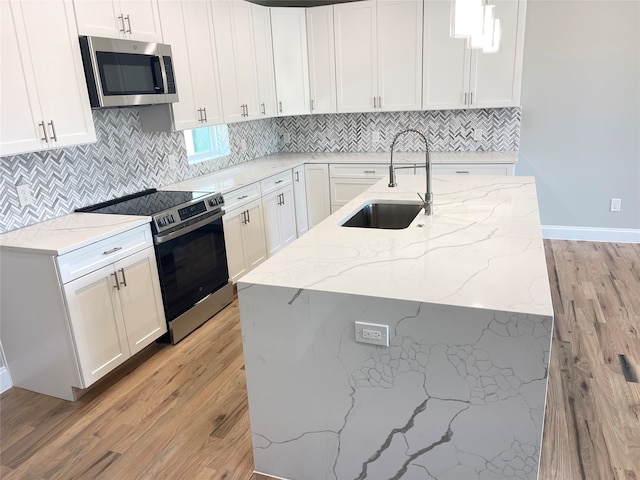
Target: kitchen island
{"points": [[459, 393]]}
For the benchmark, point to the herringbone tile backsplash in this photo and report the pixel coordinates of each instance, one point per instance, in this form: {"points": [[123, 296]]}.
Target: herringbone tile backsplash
{"points": [[125, 159], [446, 131]]}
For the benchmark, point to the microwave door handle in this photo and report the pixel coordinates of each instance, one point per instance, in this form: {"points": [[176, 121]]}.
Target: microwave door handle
{"points": [[163, 71]]}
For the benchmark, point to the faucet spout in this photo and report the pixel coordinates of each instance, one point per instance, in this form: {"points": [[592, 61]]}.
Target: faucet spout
{"points": [[427, 200]]}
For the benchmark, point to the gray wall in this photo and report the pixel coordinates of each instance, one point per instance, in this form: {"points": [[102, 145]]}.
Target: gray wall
{"points": [[580, 130]]}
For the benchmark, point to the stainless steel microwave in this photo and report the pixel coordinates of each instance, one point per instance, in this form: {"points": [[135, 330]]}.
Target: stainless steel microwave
{"points": [[122, 73]]}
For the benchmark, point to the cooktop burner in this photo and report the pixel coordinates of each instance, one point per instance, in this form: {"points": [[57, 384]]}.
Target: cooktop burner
{"points": [[148, 202]]}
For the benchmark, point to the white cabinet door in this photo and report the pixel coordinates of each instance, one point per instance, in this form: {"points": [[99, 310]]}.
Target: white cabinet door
{"points": [[446, 60], [496, 77], [290, 56], [141, 299], [271, 207], [97, 323], [142, 20], [322, 62], [264, 60], [399, 40], [356, 62], [287, 216], [254, 235], [343, 190], [317, 186], [234, 221], [20, 112], [48, 40], [126, 19], [300, 196]]}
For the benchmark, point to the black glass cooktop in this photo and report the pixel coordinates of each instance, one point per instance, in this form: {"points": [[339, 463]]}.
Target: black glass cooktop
{"points": [[147, 202]]}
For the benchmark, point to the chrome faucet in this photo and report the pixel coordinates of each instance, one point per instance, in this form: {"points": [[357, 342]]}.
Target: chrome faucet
{"points": [[427, 201]]}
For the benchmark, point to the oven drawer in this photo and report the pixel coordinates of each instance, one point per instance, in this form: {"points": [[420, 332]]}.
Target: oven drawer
{"points": [[85, 260], [275, 182], [237, 198]]}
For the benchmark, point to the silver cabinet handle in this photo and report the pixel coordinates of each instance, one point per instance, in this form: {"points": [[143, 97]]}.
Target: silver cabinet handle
{"points": [[117, 285], [465, 98], [374, 103], [369, 171], [204, 111], [243, 197], [462, 171], [53, 130], [124, 278], [279, 181], [44, 130], [312, 104], [200, 115], [244, 217], [280, 105], [264, 110], [248, 216], [379, 102], [128, 23], [297, 177], [113, 250], [121, 17], [471, 98]]}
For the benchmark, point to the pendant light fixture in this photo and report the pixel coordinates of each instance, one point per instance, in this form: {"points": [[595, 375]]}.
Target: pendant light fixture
{"points": [[474, 20]]}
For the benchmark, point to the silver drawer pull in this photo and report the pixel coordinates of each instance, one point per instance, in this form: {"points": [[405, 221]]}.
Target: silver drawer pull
{"points": [[279, 181], [113, 250], [462, 171], [243, 197], [369, 171]]}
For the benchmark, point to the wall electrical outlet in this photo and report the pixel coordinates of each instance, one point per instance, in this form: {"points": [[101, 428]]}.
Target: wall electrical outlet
{"points": [[477, 134], [286, 138], [375, 137], [616, 203], [24, 195], [372, 333]]}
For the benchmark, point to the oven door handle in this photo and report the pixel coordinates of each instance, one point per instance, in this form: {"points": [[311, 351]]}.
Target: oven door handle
{"points": [[158, 239]]}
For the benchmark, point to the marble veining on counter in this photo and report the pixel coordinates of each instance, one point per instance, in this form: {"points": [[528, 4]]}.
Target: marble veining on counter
{"points": [[69, 232], [232, 178], [482, 248]]}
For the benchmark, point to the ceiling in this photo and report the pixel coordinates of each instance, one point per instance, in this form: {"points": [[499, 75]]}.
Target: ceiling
{"points": [[298, 3]]}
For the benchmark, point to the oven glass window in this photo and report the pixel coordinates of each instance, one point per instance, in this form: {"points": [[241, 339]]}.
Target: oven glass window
{"points": [[191, 267], [129, 74]]}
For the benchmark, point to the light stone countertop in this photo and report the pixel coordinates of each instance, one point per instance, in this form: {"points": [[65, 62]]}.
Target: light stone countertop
{"points": [[232, 178], [69, 232], [482, 248]]}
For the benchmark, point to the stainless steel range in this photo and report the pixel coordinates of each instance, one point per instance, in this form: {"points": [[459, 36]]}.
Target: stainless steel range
{"points": [[190, 251]]}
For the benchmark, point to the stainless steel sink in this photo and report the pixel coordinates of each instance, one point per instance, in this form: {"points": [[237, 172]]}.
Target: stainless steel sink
{"points": [[386, 215]]}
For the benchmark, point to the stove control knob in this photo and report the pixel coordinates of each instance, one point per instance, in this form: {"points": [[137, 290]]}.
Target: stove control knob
{"points": [[161, 222]]}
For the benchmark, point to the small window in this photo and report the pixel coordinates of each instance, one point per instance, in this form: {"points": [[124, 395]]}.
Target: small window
{"points": [[207, 143]]}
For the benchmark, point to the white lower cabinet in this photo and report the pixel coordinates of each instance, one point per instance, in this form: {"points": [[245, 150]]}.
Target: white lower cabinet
{"points": [[244, 238], [96, 307], [318, 199], [279, 218], [300, 196]]}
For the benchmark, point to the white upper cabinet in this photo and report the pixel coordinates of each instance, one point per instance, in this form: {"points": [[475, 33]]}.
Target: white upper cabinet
{"points": [[126, 19], [42, 85], [378, 55], [234, 38], [356, 60], [264, 60], [288, 27], [187, 27], [459, 77], [399, 55], [322, 62]]}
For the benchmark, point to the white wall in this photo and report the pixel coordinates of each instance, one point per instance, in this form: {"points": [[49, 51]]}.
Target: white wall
{"points": [[580, 132]]}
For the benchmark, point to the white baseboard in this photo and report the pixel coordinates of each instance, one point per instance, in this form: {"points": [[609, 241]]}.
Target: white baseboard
{"points": [[5, 380], [618, 235]]}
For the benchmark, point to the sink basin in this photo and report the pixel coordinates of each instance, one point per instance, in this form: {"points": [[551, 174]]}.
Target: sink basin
{"points": [[392, 216]]}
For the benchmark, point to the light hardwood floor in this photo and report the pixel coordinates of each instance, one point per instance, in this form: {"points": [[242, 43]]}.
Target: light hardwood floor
{"points": [[180, 412]]}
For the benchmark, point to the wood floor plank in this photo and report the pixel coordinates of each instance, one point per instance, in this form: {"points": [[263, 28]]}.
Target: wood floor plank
{"points": [[180, 412]]}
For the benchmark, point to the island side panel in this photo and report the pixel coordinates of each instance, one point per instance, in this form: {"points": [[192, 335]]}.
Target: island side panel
{"points": [[459, 393]]}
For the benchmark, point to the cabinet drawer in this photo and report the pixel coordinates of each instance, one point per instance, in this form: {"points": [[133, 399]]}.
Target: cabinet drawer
{"points": [[85, 260], [243, 195], [358, 170], [343, 190], [467, 169], [275, 182]]}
